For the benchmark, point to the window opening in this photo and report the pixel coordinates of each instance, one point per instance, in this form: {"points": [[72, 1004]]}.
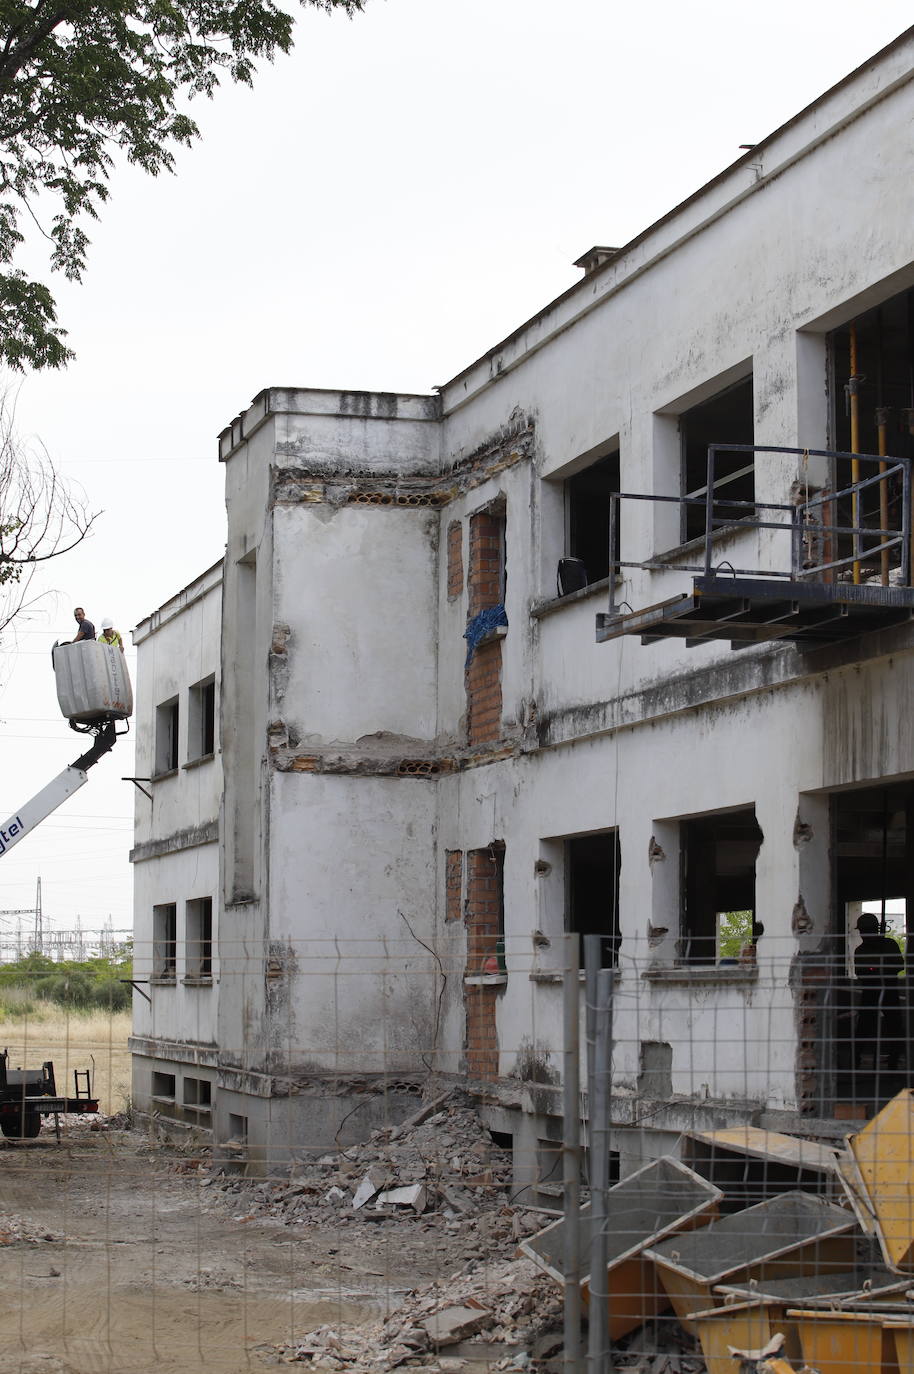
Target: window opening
{"points": [[718, 888], [587, 507], [201, 724], [727, 418], [592, 867], [238, 1128], [165, 940], [166, 754], [879, 388], [866, 1045], [199, 933], [198, 1093], [163, 1085]]}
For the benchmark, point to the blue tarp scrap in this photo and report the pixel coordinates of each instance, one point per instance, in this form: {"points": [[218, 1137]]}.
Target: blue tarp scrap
{"points": [[482, 625]]}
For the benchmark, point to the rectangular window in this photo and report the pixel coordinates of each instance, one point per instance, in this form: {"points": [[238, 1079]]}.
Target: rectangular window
{"points": [[592, 867], [201, 720], [198, 1093], [238, 1128], [163, 1086], [718, 855], [166, 754], [587, 511], [199, 936], [727, 418], [165, 941], [878, 390]]}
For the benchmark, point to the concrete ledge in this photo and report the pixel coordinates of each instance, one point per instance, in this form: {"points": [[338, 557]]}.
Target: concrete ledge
{"points": [[708, 976], [208, 833]]}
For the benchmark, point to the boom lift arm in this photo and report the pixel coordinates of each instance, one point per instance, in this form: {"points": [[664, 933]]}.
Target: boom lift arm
{"points": [[39, 807]]}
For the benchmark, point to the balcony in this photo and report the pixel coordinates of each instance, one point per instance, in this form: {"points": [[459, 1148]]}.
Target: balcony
{"points": [[831, 563]]}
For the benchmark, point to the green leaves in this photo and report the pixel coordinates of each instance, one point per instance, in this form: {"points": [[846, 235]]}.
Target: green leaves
{"points": [[78, 80]]}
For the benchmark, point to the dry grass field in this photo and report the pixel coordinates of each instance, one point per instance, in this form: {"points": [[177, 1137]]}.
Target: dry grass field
{"points": [[92, 1040]]}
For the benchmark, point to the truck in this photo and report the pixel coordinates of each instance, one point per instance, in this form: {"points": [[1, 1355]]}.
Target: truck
{"points": [[26, 1095], [94, 693]]}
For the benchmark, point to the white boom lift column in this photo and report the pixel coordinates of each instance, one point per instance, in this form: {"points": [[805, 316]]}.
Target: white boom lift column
{"points": [[39, 807]]}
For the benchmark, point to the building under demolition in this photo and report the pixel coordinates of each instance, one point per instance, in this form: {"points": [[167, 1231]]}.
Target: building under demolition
{"points": [[612, 634]]}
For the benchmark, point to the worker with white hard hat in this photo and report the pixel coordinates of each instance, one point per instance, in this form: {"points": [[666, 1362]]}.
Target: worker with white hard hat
{"points": [[109, 634]]}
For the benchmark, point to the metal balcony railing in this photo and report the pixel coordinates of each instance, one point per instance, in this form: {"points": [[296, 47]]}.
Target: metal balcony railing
{"points": [[846, 565]]}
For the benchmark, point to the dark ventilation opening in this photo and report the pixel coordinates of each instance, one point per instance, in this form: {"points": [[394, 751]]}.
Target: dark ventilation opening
{"points": [[726, 418], [592, 866], [587, 496], [503, 1139], [718, 859]]}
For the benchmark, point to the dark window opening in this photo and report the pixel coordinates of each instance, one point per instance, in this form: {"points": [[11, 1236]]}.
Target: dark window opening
{"points": [[718, 862], [884, 385], [238, 1128], [198, 1093], [202, 720], [166, 755], [726, 418], [863, 1031], [503, 1139], [199, 917], [592, 867], [165, 940], [163, 1085], [587, 503]]}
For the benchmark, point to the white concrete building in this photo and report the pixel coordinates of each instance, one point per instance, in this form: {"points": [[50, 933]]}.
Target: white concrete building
{"points": [[403, 841]]}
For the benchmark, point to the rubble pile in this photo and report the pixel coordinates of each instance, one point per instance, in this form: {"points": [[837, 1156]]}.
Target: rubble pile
{"points": [[439, 1169], [15, 1229], [508, 1304]]}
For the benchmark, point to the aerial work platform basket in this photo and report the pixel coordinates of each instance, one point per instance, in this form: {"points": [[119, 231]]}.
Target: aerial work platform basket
{"points": [[92, 682]]}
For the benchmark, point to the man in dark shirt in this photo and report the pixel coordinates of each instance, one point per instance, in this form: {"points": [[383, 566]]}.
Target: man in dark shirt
{"points": [[877, 963], [86, 628]]}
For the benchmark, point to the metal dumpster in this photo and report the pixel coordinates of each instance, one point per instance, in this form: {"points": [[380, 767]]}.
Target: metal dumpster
{"points": [[660, 1199], [789, 1235]]}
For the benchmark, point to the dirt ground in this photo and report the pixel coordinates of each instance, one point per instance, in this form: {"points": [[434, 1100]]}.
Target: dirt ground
{"points": [[112, 1259]]}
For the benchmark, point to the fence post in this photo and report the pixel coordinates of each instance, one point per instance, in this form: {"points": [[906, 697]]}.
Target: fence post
{"points": [[571, 1155]]}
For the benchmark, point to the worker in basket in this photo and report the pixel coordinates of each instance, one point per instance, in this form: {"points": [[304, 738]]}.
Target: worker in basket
{"points": [[109, 634], [86, 628]]}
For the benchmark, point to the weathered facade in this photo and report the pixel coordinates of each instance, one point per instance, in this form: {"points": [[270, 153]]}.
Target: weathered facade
{"points": [[404, 836]]}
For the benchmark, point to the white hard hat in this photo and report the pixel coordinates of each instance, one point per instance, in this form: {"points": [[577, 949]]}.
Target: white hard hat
{"points": [[107, 623]]}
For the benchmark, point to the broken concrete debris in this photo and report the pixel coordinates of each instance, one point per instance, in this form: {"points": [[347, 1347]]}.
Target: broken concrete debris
{"points": [[507, 1304]]}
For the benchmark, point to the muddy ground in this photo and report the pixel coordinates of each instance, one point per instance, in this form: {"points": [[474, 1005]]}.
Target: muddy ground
{"points": [[114, 1258]]}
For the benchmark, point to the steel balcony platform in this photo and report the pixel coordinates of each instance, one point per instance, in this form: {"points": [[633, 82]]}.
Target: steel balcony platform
{"points": [[758, 610]]}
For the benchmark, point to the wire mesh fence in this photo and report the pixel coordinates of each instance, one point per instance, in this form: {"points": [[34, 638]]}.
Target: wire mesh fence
{"points": [[357, 1155]]}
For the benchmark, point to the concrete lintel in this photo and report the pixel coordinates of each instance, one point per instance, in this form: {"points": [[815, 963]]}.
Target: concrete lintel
{"points": [[191, 838]]}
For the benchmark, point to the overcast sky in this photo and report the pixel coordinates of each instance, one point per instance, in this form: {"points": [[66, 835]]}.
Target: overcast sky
{"points": [[384, 206]]}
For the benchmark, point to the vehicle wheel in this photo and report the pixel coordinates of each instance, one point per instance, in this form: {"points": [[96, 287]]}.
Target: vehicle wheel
{"points": [[14, 1128]]}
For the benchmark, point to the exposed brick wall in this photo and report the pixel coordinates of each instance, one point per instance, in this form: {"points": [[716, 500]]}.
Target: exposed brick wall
{"points": [[454, 560], [482, 1040], [453, 884], [485, 588], [483, 682], [485, 580], [485, 925]]}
